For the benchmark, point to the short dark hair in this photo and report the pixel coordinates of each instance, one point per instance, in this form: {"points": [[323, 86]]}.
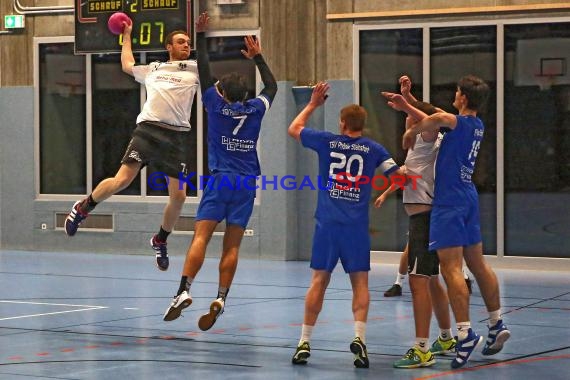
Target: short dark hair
{"points": [[425, 107], [354, 117], [475, 90], [168, 40], [234, 87]]}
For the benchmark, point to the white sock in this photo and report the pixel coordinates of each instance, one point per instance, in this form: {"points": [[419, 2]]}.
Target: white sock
{"points": [[494, 317], [465, 275], [360, 330], [445, 334], [422, 344], [306, 332], [463, 330], [400, 278]]}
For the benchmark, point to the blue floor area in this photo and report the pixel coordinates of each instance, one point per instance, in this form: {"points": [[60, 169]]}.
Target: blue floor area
{"points": [[99, 316]]}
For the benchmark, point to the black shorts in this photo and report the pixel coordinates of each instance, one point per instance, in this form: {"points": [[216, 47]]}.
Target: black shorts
{"points": [[421, 261], [165, 148]]}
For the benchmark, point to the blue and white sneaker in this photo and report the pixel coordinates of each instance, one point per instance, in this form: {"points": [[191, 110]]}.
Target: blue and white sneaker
{"points": [[498, 335], [179, 303], [161, 253], [465, 348], [74, 219]]}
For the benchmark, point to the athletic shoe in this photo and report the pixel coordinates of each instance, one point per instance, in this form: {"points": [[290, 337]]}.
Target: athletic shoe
{"points": [[360, 354], [179, 303], [465, 348], [74, 219], [207, 320], [394, 291], [442, 347], [415, 358], [161, 253], [469, 284], [302, 354], [498, 335]]}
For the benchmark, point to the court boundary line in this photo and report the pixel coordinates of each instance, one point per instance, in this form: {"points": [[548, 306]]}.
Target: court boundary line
{"points": [[83, 308]]}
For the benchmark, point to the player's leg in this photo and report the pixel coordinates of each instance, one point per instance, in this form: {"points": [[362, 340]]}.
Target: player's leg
{"points": [[313, 306], [449, 234], [421, 266], [195, 255], [354, 244], [227, 269], [445, 343], [451, 261], [172, 210], [489, 287], [396, 289], [360, 306], [81, 209], [238, 202], [324, 258]]}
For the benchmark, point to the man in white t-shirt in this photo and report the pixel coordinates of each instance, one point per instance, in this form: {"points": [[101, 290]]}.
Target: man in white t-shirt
{"points": [[159, 136]]}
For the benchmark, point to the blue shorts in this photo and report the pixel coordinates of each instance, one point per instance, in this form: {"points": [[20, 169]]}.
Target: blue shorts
{"points": [[227, 196], [348, 242], [454, 226]]}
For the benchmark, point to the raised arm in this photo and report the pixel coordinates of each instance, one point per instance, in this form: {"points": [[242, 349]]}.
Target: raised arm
{"points": [[317, 99], [204, 72], [431, 123], [406, 89], [253, 51], [399, 103], [127, 57]]}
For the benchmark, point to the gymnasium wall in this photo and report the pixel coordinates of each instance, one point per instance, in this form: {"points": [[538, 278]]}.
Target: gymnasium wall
{"points": [[300, 46]]}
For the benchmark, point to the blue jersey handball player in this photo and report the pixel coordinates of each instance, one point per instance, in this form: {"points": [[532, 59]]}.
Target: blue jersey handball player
{"points": [[341, 231], [455, 229], [234, 124]]}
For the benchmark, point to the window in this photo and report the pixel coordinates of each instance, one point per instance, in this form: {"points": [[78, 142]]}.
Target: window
{"points": [[537, 140], [62, 106], [398, 52]]}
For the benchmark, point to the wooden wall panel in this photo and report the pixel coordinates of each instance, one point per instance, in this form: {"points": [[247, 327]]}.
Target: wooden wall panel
{"points": [[299, 43], [339, 42], [235, 16]]}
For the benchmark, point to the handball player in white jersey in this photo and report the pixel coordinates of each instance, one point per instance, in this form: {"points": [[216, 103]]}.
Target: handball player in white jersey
{"points": [[159, 136]]}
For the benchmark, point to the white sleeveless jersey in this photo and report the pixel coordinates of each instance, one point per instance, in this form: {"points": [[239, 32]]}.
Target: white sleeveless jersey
{"points": [[421, 162], [170, 90]]}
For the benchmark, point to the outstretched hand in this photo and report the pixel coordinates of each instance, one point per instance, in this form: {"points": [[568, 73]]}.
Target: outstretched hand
{"points": [[396, 101], [380, 201], [127, 28], [252, 45], [405, 85], [319, 95], [202, 23]]}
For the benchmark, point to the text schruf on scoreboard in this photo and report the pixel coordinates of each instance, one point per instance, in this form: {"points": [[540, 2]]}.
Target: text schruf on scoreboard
{"points": [[159, 4]]}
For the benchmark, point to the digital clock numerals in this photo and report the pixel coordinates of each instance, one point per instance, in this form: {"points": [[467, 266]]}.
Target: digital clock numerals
{"points": [[147, 33]]}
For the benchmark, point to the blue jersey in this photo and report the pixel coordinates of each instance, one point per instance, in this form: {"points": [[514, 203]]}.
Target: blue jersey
{"points": [[233, 131], [456, 162], [344, 163]]}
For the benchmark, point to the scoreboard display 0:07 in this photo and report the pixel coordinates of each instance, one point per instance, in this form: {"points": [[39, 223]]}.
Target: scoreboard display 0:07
{"points": [[152, 21]]}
